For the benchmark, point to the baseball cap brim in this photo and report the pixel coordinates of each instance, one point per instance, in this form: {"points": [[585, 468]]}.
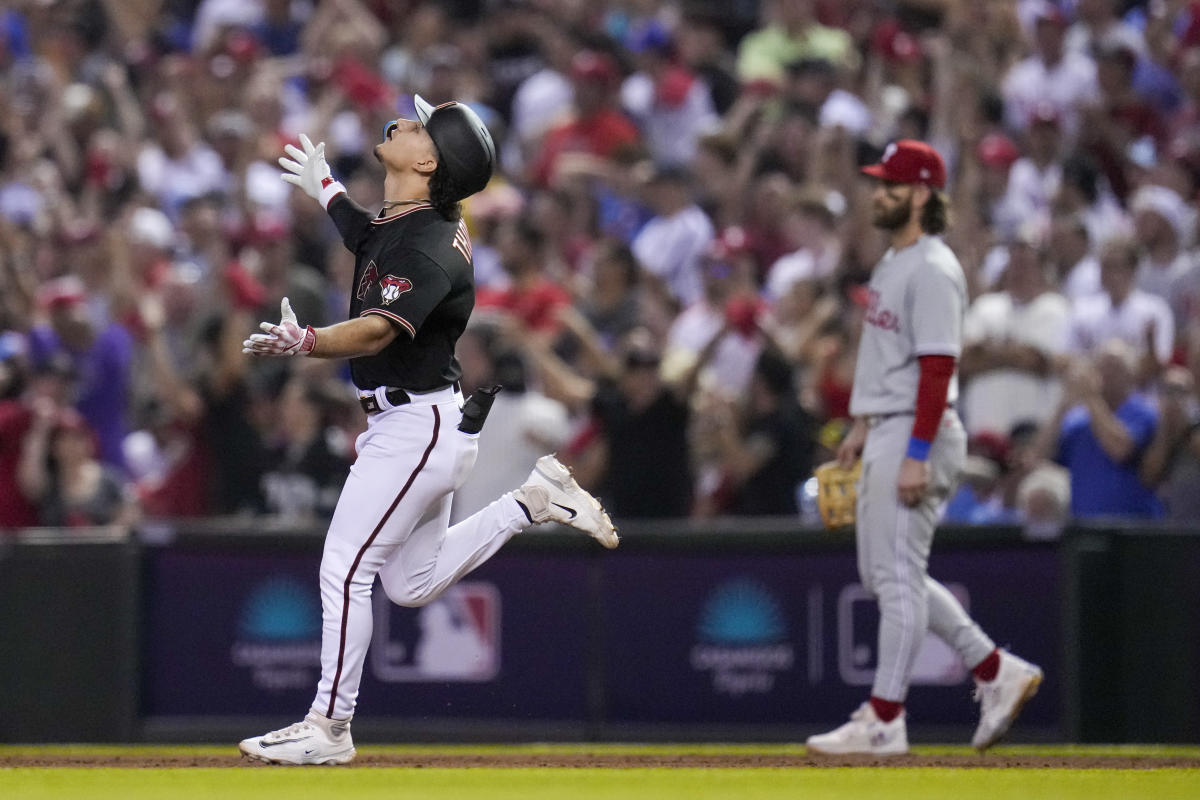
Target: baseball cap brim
{"points": [[876, 171], [424, 109]]}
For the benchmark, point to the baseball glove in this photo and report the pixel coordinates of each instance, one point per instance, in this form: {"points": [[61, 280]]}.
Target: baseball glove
{"points": [[837, 493]]}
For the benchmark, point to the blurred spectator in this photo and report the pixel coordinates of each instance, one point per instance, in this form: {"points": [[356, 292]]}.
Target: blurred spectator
{"points": [[101, 356], [1099, 24], [1053, 75], [59, 474], [613, 303], [981, 498], [790, 31], [1085, 192], [531, 296], [49, 386], [308, 457], [724, 320], [670, 245], [1044, 501], [540, 99], [671, 105], [812, 82], [1172, 461], [1034, 178], [642, 425], [1012, 340], [1100, 433], [177, 165], [1163, 224], [701, 45], [1005, 211], [1076, 268], [598, 128], [1122, 311], [769, 455]]}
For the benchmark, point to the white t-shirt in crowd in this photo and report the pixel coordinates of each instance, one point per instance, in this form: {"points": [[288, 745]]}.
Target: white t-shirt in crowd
{"points": [[1065, 86], [670, 247], [1094, 321], [998, 399]]}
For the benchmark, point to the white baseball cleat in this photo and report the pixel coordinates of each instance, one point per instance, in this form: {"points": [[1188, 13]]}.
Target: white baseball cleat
{"points": [[864, 734], [1001, 699], [552, 495], [313, 740]]}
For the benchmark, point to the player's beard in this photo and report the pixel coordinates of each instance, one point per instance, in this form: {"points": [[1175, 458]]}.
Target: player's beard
{"points": [[889, 219]]}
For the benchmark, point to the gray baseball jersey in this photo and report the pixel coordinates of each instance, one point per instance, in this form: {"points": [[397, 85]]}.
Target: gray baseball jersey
{"points": [[918, 297]]}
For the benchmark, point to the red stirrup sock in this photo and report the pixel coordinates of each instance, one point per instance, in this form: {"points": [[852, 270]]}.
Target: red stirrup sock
{"points": [[886, 710], [986, 670]]}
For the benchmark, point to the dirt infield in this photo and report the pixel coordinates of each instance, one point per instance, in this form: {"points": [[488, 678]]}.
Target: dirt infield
{"points": [[617, 761]]}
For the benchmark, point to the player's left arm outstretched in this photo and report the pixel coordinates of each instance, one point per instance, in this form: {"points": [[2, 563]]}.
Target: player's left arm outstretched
{"points": [[363, 336]]}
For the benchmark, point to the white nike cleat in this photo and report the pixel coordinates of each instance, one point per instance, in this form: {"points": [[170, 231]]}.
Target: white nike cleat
{"points": [[314, 740], [1001, 699], [552, 495], [864, 734]]}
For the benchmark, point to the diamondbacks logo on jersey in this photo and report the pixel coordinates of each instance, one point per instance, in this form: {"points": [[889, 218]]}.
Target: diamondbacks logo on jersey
{"points": [[369, 276], [462, 241], [392, 287]]}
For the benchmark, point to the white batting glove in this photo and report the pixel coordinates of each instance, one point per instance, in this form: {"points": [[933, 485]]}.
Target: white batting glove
{"points": [[285, 339], [308, 169]]}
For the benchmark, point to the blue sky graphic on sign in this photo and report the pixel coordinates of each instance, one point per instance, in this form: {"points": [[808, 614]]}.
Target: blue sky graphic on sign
{"points": [[741, 612], [281, 608]]}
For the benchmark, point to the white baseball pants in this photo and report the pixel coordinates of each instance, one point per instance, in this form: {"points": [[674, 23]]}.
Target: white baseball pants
{"points": [[392, 520]]}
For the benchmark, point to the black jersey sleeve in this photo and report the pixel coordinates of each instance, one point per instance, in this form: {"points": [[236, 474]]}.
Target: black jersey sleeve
{"points": [[409, 287], [351, 219]]}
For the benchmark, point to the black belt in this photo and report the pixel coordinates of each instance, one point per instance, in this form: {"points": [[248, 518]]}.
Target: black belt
{"points": [[397, 397]]}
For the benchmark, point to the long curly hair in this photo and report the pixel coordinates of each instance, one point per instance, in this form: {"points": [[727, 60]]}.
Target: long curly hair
{"points": [[445, 194], [935, 216]]}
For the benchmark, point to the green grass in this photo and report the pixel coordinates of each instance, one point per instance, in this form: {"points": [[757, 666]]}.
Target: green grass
{"points": [[589, 784]]}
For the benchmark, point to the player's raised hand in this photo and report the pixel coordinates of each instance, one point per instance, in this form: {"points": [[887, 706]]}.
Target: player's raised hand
{"points": [[308, 169], [285, 339]]}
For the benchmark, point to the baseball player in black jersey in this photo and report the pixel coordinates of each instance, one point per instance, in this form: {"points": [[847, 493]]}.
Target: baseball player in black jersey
{"points": [[412, 295]]}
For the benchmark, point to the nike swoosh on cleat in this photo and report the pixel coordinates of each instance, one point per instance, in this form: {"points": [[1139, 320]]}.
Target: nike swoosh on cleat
{"points": [[570, 511], [282, 741]]}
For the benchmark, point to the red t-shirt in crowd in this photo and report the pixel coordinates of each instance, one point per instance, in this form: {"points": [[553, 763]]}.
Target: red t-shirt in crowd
{"points": [[537, 307], [601, 134]]}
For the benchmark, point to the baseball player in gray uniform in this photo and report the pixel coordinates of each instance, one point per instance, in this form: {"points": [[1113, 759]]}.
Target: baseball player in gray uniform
{"points": [[412, 294], [912, 447]]}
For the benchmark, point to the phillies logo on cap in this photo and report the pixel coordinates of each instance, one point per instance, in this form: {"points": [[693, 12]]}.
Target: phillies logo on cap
{"points": [[910, 161], [392, 287]]}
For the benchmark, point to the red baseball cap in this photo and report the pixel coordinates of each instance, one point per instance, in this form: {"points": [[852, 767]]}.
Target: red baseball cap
{"points": [[910, 161], [997, 150]]}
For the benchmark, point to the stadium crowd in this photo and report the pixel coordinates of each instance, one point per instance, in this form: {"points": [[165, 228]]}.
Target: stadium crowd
{"points": [[671, 260]]}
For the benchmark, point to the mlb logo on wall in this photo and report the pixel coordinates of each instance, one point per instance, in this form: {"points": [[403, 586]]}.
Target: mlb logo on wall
{"points": [[743, 638], [454, 638]]}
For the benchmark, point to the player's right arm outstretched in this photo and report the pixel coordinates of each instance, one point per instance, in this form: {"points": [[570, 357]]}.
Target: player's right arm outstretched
{"points": [[308, 169]]}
